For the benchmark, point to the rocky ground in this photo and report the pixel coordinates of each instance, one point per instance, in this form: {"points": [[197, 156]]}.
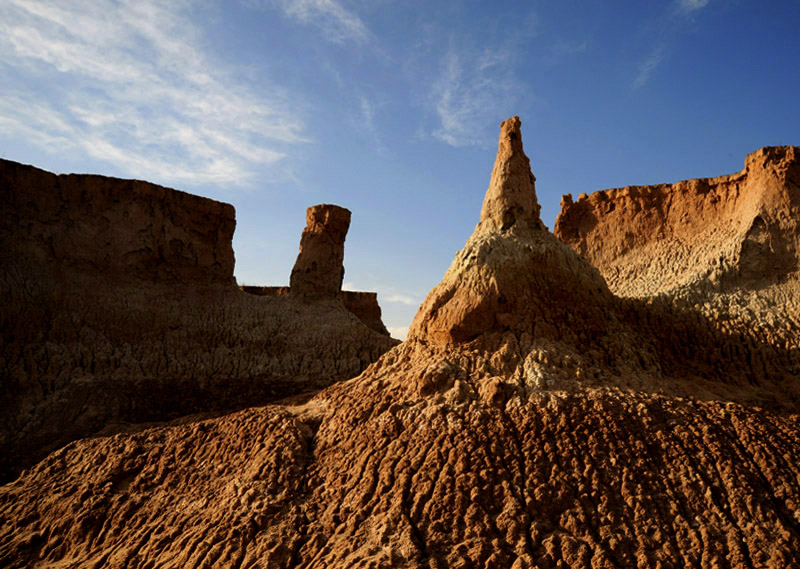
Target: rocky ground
{"points": [[537, 416]]}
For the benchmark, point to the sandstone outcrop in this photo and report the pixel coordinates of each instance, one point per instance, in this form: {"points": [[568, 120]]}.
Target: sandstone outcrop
{"points": [[531, 419], [119, 306], [736, 231], [363, 305], [319, 269]]}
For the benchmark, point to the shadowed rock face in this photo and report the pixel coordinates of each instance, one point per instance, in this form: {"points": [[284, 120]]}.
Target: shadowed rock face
{"points": [[319, 269], [364, 305], [125, 230], [574, 430], [119, 306]]}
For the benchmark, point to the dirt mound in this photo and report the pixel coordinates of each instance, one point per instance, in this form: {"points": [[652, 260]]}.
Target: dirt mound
{"points": [[119, 305], [580, 431]]}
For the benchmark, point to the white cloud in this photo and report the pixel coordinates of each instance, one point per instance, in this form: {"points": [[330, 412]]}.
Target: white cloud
{"points": [[688, 6], [471, 93], [337, 23], [648, 65], [399, 299], [128, 82], [399, 332]]}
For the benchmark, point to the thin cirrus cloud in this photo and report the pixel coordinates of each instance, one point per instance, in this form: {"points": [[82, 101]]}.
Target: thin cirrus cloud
{"points": [[470, 88], [337, 23], [683, 11], [128, 83], [648, 66], [688, 6]]}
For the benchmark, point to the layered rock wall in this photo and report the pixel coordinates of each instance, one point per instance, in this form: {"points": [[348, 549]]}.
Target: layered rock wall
{"points": [[127, 230], [119, 306]]}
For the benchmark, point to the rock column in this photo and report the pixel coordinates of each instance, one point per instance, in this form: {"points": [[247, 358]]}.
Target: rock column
{"points": [[319, 269]]}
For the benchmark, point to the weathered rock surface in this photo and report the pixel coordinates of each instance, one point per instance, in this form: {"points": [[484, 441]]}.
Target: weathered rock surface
{"points": [[364, 305], [736, 231], [577, 430], [319, 269], [125, 230], [119, 306]]}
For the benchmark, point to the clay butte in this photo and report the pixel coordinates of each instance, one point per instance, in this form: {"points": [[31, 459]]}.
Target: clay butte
{"points": [[318, 272], [120, 306], [711, 233]]}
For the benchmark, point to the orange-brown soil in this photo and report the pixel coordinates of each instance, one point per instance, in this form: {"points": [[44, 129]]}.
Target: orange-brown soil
{"points": [[532, 419]]}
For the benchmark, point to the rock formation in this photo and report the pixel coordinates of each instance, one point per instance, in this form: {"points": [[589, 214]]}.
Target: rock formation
{"points": [[119, 306], [319, 269], [736, 231], [531, 419], [363, 305], [124, 230]]}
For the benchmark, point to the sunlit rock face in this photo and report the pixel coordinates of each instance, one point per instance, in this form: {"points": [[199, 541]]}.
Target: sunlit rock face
{"points": [[319, 269]]}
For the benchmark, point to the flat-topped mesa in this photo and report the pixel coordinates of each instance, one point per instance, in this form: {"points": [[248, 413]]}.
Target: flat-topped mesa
{"points": [[511, 198], [118, 231], [512, 275], [319, 269]]}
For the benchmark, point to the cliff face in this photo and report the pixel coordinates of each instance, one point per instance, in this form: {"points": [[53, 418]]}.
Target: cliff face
{"points": [[119, 306], [737, 231], [127, 230], [319, 270], [531, 419]]}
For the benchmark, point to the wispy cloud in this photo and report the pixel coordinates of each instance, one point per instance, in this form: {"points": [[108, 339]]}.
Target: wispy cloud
{"points": [[682, 11], [336, 22], [688, 6], [129, 83], [471, 89], [648, 65], [400, 299]]}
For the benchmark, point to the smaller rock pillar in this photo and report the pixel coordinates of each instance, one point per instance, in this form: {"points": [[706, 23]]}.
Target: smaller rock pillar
{"points": [[319, 269]]}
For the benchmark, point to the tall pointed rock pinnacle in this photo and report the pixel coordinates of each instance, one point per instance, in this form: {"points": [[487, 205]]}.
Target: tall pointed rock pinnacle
{"points": [[512, 275], [511, 198]]}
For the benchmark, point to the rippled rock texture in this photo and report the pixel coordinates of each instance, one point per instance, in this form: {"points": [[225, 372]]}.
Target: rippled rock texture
{"points": [[532, 419]]}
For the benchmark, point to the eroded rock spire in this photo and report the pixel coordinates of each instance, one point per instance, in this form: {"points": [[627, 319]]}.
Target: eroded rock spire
{"points": [[511, 198], [319, 269], [512, 275]]}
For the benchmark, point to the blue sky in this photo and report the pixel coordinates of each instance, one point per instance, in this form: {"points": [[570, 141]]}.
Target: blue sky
{"points": [[391, 109]]}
